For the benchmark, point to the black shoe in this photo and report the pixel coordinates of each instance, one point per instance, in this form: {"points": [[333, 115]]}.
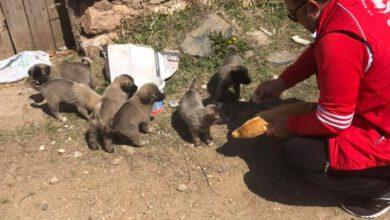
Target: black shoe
{"points": [[364, 207]]}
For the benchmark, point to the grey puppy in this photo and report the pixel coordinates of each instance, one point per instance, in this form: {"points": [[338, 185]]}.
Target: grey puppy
{"points": [[77, 72], [134, 116], [199, 118], [113, 98], [232, 73], [65, 91]]}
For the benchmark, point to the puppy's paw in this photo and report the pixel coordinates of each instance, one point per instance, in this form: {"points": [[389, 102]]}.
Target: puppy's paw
{"points": [[196, 143], [61, 118], [148, 129], [141, 143], [110, 149]]}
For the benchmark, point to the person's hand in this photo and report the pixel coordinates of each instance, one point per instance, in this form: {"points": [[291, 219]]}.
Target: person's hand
{"points": [[278, 127], [268, 90]]}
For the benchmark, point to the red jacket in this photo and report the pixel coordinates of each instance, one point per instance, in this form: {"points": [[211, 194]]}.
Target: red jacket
{"points": [[351, 59]]}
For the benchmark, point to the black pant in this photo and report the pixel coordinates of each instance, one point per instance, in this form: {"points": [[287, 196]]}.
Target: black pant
{"points": [[308, 158]]}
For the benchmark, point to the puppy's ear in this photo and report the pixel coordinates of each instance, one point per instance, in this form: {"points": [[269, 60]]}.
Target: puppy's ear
{"points": [[47, 70], [145, 98], [31, 71], [129, 88]]}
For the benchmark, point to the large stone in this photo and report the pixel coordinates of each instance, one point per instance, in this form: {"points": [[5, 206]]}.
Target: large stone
{"points": [[258, 37], [169, 7], [281, 58], [93, 46], [124, 10], [97, 22], [103, 5], [197, 43]]}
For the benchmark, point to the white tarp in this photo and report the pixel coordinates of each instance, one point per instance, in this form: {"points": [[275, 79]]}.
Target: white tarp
{"points": [[16, 67], [143, 63]]}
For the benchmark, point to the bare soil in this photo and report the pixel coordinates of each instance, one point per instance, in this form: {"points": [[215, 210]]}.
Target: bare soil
{"points": [[229, 180]]}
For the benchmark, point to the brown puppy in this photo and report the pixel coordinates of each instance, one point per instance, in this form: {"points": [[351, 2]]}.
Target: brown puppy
{"points": [[113, 98], [197, 117], [135, 115], [232, 73], [65, 91], [77, 72]]}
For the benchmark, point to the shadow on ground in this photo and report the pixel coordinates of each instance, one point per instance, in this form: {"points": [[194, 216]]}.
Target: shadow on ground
{"points": [[63, 108], [267, 176]]}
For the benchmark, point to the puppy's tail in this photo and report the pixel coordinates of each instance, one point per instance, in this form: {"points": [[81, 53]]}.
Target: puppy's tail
{"points": [[192, 86], [87, 61], [232, 49]]}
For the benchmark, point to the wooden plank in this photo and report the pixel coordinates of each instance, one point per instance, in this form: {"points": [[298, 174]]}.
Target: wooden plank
{"points": [[17, 23], [58, 33], [52, 9], [6, 47], [38, 19], [73, 11]]}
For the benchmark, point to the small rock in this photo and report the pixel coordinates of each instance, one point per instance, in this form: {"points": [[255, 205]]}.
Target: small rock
{"points": [[182, 187], [85, 172], [53, 142], [93, 46], [156, 2], [258, 37], [117, 160], [42, 148], [297, 39], [3, 201], [53, 180], [197, 43], [280, 58], [129, 150], [77, 154], [267, 32], [249, 54], [69, 139], [64, 48], [61, 151], [204, 86], [44, 206], [173, 103]]}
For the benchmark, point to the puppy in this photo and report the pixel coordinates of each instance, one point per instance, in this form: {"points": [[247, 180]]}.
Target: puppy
{"points": [[113, 98], [134, 116], [65, 91], [77, 72], [197, 117], [232, 73]]}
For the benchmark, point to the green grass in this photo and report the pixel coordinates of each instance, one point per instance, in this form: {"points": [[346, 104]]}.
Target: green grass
{"points": [[168, 31]]}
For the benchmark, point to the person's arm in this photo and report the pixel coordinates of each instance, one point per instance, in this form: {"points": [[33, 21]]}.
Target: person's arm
{"points": [[303, 68], [341, 63]]}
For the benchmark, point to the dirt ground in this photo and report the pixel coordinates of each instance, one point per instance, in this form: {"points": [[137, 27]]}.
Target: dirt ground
{"points": [[48, 172], [169, 179]]}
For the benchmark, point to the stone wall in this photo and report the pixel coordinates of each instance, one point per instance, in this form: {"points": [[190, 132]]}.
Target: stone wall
{"points": [[99, 20]]}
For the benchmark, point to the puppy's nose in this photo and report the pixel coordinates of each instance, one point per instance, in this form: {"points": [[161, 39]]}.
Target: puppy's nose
{"points": [[162, 96], [134, 88]]}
